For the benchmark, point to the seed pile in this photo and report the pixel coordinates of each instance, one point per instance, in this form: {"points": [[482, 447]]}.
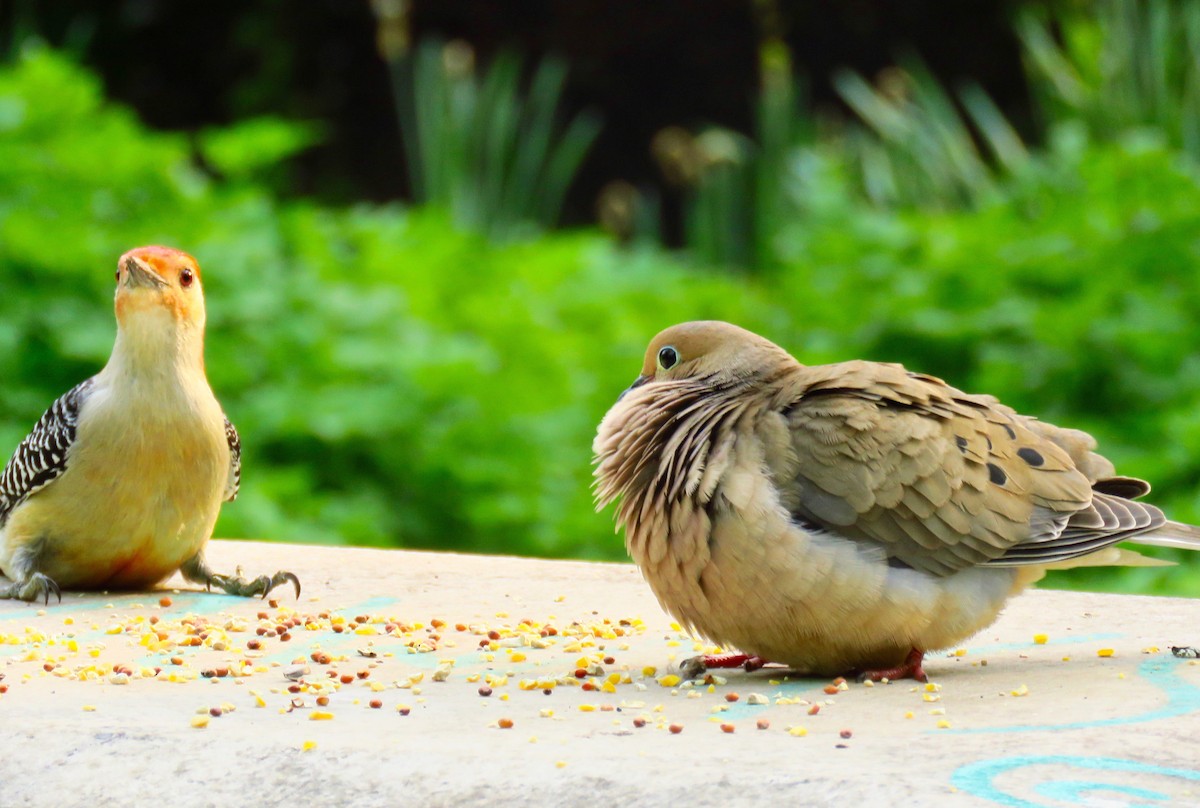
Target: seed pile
{"points": [[313, 664]]}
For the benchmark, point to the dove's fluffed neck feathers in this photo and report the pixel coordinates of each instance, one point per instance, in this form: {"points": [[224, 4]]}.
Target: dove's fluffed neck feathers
{"points": [[726, 439]]}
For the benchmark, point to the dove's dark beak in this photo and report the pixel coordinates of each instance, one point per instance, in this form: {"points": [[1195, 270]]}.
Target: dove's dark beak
{"points": [[638, 382]]}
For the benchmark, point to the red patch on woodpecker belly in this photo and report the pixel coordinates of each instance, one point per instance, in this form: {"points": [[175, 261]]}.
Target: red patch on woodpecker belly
{"points": [[136, 571]]}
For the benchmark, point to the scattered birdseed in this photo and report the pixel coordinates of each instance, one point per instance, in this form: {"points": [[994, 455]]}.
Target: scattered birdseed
{"points": [[308, 746], [199, 721], [320, 715], [728, 728], [1040, 639], [675, 729], [845, 734], [798, 732], [763, 723], [1104, 652], [505, 723]]}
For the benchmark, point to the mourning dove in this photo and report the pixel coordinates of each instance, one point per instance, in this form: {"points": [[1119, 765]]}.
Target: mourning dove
{"points": [[846, 517]]}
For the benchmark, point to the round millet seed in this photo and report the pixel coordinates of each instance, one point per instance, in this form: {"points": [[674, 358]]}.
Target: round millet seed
{"points": [[164, 601], [731, 697], [485, 691], [505, 723], [322, 701], [639, 722], [376, 704], [763, 724], [346, 678], [728, 728], [676, 729], [846, 733]]}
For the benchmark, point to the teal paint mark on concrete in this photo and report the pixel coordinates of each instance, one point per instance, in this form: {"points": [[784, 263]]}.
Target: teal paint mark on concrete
{"points": [[1162, 672], [978, 779], [1083, 791]]}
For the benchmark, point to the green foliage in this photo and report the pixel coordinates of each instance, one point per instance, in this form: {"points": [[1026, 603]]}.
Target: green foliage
{"points": [[739, 198], [397, 381], [920, 150], [497, 159], [1123, 64]]}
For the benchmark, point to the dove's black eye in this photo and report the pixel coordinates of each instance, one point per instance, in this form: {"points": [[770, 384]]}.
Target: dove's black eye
{"points": [[668, 358]]}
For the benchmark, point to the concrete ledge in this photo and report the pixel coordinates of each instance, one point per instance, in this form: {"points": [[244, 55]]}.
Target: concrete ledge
{"points": [[1015, 722]]}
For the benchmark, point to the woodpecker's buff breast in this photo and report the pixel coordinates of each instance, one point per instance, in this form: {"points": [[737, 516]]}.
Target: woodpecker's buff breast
{"points": [[140, 461], [834, 518]]}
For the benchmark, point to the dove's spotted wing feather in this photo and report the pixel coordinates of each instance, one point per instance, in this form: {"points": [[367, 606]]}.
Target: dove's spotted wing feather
{"points": [[42, 457], [944, 480]]}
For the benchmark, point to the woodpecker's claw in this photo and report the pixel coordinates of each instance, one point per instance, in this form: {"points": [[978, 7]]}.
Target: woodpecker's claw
{"points": [[279, 578], [194, 569], [261, 586], [37, 586]]}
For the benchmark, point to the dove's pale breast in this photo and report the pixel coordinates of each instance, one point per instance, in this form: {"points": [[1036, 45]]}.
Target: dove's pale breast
{"points": [[821, 603]]}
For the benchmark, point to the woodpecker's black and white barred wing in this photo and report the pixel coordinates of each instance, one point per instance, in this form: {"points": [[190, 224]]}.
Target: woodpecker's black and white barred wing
{"points": [[234, 481], [42, 457]]}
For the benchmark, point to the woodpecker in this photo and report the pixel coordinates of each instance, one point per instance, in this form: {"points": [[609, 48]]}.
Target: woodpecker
{"points": [[120, 482]]}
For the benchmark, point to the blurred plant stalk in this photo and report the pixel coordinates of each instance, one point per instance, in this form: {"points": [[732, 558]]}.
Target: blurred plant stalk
{"points": [[482, 144]]}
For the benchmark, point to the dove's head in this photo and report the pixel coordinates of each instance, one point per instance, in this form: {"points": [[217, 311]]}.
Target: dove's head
{"points": [[719, 353]]}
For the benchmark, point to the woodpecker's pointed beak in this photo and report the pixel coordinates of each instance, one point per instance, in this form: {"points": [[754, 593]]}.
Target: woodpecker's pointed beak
{"points": [[139, 274], [638, 382]]}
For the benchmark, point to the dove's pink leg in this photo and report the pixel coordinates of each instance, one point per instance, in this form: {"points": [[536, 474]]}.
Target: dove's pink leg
{"points": [[744, 661], [909, 669]]}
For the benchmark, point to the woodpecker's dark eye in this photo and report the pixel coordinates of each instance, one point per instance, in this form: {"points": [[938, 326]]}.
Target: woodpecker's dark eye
{"points": [[186, 277], [668, 358]]}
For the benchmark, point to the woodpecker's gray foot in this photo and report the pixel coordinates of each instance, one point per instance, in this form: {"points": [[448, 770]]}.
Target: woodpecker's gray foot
{"points": [[197, 571], [237, 585], [37, 586]]}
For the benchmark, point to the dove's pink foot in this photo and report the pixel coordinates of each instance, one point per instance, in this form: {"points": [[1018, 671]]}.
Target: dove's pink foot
{"points": [[909, 669], [694, 667]]}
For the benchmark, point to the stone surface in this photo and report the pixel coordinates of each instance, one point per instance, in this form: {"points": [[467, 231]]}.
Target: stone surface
{"points": [[1084, 727]]}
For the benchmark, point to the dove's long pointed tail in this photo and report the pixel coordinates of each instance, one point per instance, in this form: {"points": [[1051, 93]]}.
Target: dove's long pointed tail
{"points": [[1172, 534]]}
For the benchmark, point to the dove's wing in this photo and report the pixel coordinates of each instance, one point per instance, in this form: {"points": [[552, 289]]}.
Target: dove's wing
{"points": [[943, 480]]}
